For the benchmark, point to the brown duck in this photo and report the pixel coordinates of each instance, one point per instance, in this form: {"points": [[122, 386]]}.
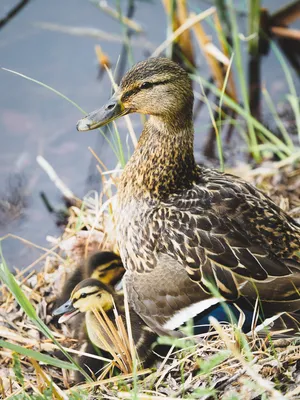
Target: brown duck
{"points": [[190, 236]]}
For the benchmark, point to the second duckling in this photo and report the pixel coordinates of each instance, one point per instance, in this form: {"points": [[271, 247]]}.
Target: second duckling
{"points": [[91, 295], [105, 266]]}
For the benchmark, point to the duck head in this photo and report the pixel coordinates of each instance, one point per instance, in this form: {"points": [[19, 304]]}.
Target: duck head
{"points": [[156, 86]]}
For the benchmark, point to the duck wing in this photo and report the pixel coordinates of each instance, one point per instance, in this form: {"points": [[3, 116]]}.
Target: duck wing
{"points": [[226, 231]]}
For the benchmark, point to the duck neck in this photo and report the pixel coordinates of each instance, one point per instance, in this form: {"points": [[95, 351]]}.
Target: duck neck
{"points": [[163, 161]]}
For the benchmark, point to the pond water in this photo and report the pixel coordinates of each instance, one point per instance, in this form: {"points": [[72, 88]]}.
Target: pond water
{"points": [[35, 121]]}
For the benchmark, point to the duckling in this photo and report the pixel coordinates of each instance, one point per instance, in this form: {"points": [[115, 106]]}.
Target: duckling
{"points": [[90, 295], [189, 236], [105, 266]]}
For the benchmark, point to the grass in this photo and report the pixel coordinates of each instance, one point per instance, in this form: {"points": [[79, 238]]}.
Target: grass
{"points": [[27, 307], [292, 97], [223, 363], [261, 133], [114, 145], [242, 80]]}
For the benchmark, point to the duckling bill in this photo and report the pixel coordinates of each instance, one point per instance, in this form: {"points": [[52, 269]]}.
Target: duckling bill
{"points": [[68, 311], [185, 231]]}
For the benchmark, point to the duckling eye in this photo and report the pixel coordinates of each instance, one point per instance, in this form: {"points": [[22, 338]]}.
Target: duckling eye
{"points": [[83, 295], [146, 85]]}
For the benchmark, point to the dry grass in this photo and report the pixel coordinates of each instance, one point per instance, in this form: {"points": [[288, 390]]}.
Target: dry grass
{"points": [[218, 365]]}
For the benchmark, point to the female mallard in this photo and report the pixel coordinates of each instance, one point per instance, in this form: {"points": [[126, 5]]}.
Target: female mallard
{"points": [[91, 295], [184, 231]]}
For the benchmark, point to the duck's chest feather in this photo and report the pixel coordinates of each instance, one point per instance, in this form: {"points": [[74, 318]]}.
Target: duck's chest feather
{"points": [[138, 234]]}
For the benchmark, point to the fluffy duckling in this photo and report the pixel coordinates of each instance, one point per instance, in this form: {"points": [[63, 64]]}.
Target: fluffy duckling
{"points": [[105, 266], [186, 232], [91, 295]]}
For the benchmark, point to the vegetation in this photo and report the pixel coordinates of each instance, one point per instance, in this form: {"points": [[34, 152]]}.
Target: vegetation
{"points": [[224, 363]]}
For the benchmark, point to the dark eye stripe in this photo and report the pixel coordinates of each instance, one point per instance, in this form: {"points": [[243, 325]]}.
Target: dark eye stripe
{"points": [[128, 94], [84, 295], [112, 266], [131, 92]]}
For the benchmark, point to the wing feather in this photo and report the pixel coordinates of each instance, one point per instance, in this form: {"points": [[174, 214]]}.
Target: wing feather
{"points": [[224, 227]]}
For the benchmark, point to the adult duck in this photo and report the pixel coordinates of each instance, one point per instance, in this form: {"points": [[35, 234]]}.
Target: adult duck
{"points": [[189, 236]]}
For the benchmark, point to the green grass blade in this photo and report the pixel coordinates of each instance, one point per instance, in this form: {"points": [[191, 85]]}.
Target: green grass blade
{"points": [[254, 26], [294, 102], [62, 96], [293, 97], [216, 128], [219, 142], [125, 34], [9, 280], [16, 366], [277, 119], [222, 11], [7, 277], [44, 358], [245, 114], [243, 85], [45, 86], [207, 365], [170, 22], [121, 157]]}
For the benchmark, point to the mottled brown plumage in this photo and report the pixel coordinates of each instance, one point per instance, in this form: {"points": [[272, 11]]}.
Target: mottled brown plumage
{"points": [[182, 228]]}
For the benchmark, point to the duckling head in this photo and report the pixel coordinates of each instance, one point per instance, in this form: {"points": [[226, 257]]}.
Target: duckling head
{"points": [[156, 86], [106, 267], [88, 295]]}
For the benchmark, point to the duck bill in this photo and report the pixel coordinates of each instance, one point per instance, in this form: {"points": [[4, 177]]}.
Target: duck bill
{"points": [[112, 110], [68, 311]]}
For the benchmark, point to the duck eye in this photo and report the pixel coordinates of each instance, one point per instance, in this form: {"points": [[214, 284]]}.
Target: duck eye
{"points": [[146, 85], [83, 295]]}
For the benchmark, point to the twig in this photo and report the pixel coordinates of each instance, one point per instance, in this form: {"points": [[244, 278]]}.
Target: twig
{"points": [[67, 193], [126, 395], [114, 379], [188, 24], [287, 14], [94, 33], [13, 12], [118, 16], [263, 383], [286, 32]]}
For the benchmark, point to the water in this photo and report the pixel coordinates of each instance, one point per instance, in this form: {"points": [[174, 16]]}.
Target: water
{"points": [[35, 121]]}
